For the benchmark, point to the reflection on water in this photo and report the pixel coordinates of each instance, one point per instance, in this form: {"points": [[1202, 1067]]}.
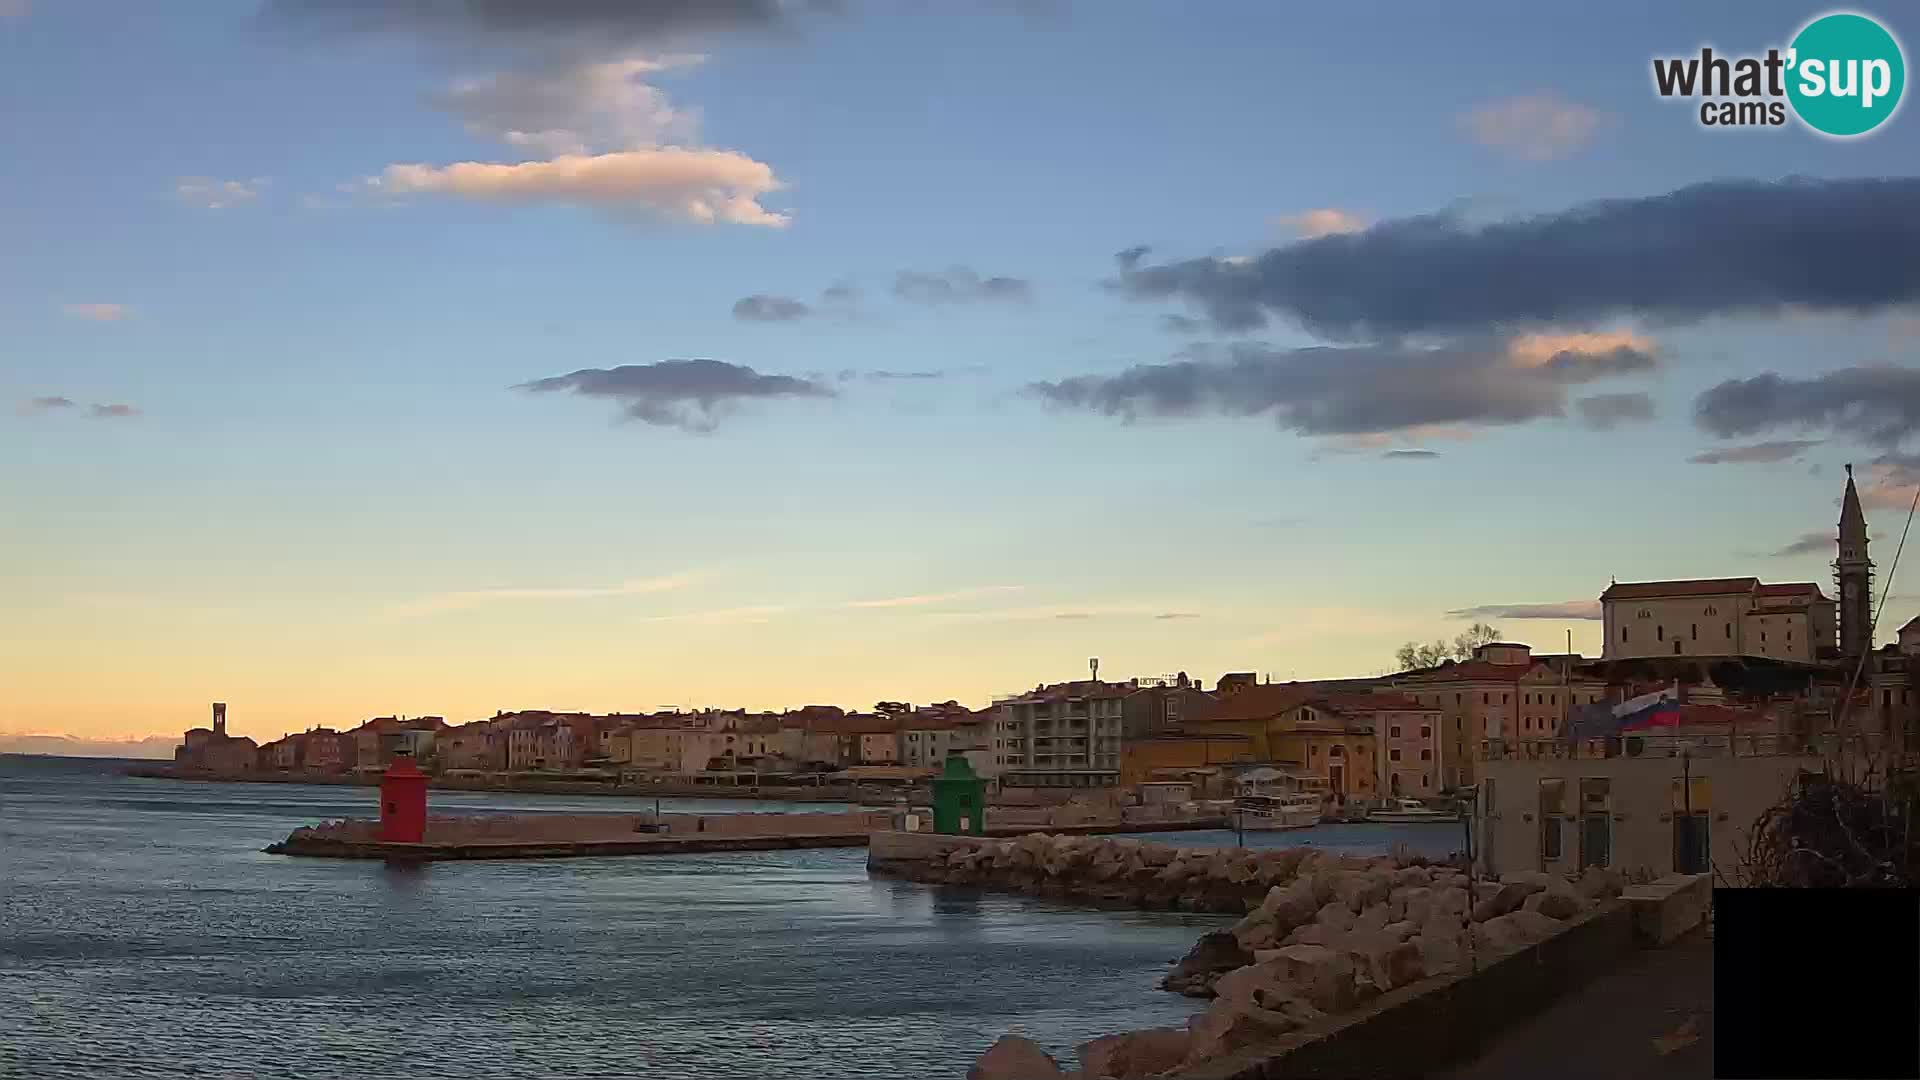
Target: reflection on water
{"points": [[144, 934]]}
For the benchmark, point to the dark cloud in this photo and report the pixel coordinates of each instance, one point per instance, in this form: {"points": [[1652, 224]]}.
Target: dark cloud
{"points": [[1413, 455], [932, 375], [763, 308], [844, 292], [1354, 390], [688, 394], [605, 22], [1604, 412], [1715, 248], [1877, 405], [112, 412], [958, 285], [1756, 453], [1808, 544], [1182, 324], [1565, 609], [46, 404]]}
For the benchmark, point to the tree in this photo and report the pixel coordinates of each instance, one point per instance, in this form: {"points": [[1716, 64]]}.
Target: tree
{"points": [[1414, 656]]}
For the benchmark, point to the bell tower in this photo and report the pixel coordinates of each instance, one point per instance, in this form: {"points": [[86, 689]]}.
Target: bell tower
{"points": [[1853, 576]]}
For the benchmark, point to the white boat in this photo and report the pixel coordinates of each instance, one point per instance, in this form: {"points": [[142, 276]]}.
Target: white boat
{"points": [[1297, 811], [1408, 811]]}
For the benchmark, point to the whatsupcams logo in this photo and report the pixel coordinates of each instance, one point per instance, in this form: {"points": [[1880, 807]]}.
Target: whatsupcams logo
{"points": [[1842, 76]]}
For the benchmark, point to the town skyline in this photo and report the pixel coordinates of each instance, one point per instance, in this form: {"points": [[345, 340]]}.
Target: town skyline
{"points": [[765, 355]]}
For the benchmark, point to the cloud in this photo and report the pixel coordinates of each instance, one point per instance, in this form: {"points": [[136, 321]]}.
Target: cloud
{"points": [[1807, 544], [1350, 390], [1325, 221], [471, 598], [763, 308], [925, 599], [586, 23], [1565, 609], [689, 394], [1182, 324], [1879, 406], [218, 194], [97, 312], [575, 109], [1719, 248], [958, 285], [1604, 412], [1889, 482], [844, 292], [1537, 127], [910, 376], [752, 615], [698, 186], [1164, 616], [37, 405], [1410, 455], [1756, 453]]}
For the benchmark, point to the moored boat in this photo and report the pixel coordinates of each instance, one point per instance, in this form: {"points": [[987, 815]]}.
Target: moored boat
{"points": [[1410, 811], [1266, 812]]}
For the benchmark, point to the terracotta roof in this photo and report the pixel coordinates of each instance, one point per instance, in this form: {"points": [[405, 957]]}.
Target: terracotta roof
{"points": [[1798, 588], [1912, 624], [1646, 590], [1471, 671], [1372, 702], [1719, 714], [1258, 701], [1193, 736]]}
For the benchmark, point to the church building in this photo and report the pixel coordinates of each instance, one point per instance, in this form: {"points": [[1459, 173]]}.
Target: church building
{"points": [[1746, 617]]}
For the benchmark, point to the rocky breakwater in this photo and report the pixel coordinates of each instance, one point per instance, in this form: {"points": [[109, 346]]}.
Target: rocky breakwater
{"points": [[1108, 871], [1325, 939]]}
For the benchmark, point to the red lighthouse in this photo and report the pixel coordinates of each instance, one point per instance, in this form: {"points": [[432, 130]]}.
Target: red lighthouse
{"points": [[403, 802]]}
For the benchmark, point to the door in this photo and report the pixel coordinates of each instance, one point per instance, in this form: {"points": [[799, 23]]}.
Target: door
{"points": [[1553, 815], [1692, 829], [1596, 822]]}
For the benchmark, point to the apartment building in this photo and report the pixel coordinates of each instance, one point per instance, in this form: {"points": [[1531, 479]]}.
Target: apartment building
{"points": [[1067, 735]]}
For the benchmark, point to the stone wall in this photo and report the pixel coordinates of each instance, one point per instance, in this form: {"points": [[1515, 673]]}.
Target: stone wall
{"points": [[1102, 871], [1321, 937]]}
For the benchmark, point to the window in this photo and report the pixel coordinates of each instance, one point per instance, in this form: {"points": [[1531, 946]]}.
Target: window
{"points": [[1695, 630], [1729, 631], [1313, 751], [1486, 699], [1423, 781], [1458, 698], [1553, 807], [1659, 633], [1504, 697], [1426, 755], [1623, 634], [1394, 731], [1393, 754], [1426, 732], [1336, 751]]}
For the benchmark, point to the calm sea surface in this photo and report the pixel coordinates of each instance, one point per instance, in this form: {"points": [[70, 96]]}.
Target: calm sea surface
{"points": [[144, 934]]}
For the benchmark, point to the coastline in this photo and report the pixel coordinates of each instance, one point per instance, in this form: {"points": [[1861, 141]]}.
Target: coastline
{"points": [[524, 785]]}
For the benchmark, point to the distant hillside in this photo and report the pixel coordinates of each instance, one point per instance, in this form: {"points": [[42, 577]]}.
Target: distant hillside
{"points": [[157, 746]]}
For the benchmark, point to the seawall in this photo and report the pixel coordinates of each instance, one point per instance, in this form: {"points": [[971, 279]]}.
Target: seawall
{"points": [[1120, 872]]}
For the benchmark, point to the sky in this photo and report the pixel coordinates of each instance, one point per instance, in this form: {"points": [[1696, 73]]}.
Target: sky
{"points": [[447, 357]]}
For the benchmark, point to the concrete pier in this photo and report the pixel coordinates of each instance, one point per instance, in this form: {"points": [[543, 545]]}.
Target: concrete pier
{"points": [[559, 836]]}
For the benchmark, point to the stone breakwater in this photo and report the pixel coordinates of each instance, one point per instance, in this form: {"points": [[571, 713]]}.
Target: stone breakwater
{"points": [[1320, 935], [1101, 871]]}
